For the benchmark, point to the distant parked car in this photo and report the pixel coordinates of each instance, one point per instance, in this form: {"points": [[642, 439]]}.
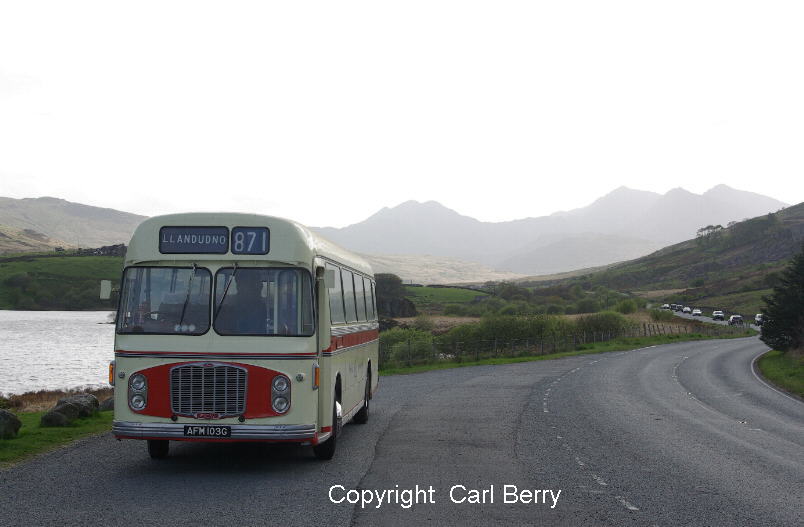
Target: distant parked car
{"points": [[696, 312], [665, 306], [735, 320], [759, 319], [679, 307], [686, 309], [718, 315]]}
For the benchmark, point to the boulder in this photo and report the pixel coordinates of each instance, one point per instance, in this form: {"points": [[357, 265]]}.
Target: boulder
{"points": [[68, 412], [87, 403], [53, 418], [107, 404], [9, 425]]}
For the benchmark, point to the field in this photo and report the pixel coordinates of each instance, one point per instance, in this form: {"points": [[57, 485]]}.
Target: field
{"points": [[56, 282], [432, 299]]}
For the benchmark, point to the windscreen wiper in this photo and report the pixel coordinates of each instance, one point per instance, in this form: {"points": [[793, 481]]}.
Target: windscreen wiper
{"points": [[187, 298], [223, 296]]}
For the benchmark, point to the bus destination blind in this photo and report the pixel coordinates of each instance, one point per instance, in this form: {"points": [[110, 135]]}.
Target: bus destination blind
{"points": [[193, 240]]}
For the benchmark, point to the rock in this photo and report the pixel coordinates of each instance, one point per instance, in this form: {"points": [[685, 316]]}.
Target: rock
{"points": [[69, 412], [53, 418], [107, 404], [87, 403], [9, 425]]}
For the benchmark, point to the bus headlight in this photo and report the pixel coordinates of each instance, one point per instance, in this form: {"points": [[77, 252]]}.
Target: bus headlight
{"points": [[137, 392], [138, 382], [137, 401], [281, 405], [280, 394], [281, 384]]}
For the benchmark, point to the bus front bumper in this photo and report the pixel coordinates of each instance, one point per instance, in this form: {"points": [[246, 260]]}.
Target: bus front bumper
{"points": [[239, 432]]}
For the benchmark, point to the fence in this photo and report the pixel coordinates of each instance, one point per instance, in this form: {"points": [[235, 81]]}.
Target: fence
{"points": [[418, 351]]}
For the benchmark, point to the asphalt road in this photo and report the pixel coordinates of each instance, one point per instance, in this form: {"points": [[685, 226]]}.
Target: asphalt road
{"points": [[681, 434], [749, 320]]}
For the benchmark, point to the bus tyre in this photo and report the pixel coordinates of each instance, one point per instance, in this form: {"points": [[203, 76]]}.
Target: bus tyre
{"points": [[158, 448], [326, 450], [362, 416]]}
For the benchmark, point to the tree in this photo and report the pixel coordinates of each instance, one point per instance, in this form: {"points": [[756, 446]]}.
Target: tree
{"points": [[784, 309]]}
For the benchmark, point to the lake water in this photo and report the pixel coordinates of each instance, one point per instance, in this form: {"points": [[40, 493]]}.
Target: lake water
{"points": [[54, 349]]}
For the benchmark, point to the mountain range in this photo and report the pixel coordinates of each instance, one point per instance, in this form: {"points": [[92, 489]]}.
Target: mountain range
{"points": [[621, 225], [429, 243]]}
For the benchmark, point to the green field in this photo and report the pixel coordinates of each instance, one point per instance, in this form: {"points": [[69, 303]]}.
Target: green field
{"points": [[58, 282], [428, 297], [784, 370], [32, 439]]}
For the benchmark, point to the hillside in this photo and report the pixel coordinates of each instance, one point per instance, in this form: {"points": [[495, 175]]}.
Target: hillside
{"points": [[730, 268], [427, 269], [26, 240], [39, 282], [621, 225], [76, 224]]}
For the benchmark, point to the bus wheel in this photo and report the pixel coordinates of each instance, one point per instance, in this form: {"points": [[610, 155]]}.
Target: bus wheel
{"points": [[326, 450], [158, 448], [362, 416]]}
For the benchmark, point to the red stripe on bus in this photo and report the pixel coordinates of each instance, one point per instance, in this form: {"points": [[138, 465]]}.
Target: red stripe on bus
{"points": [[191, 353], [352, 339]]}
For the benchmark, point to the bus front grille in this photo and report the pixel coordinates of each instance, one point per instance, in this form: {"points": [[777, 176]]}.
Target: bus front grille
{"points": [[208, 390]]}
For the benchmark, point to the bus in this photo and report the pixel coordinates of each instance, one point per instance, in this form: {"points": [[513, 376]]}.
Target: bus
{"points": [[241, 327]]}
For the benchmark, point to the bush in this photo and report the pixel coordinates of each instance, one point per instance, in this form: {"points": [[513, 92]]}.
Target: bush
{"points": [[626, 306], [424, 323], [659, 315], [406, 345], [604, 322]]}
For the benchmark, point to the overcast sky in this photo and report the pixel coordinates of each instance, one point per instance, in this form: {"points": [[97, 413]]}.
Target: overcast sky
{"points": [[326, 111]]}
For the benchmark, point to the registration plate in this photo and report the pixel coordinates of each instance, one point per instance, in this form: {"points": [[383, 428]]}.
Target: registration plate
{"points": [[207, 431]]}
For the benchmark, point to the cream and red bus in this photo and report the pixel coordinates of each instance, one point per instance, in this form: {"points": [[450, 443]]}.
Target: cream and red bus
{"points": [[241, 327]]}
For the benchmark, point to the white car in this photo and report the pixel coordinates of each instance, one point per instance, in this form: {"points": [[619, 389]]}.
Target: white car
{"points": [[718, 315], [665, 306], [696, 312], [686, 309], [735, 320]]}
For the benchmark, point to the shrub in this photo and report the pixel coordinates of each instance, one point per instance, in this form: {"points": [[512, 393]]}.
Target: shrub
{"points": [[659, 315], [423, 323], [626, 306]]}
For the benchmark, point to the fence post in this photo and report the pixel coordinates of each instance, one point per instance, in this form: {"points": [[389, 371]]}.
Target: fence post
{"points": [[409, 357]]}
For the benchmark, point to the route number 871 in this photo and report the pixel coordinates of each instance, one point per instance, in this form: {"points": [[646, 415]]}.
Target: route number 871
{"points": [[250, 240]]}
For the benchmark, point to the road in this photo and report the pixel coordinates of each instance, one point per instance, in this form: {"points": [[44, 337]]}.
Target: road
{"points": [[703, 318], [680, 434]]}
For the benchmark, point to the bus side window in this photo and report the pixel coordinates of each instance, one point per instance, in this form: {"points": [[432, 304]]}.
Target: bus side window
{"points": [[349, 295], [360, 296], [336, 310], [371, 303]]}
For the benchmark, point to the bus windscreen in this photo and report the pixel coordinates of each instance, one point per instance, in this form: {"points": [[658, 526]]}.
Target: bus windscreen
{"points": [[263, 301], [165, 301]]}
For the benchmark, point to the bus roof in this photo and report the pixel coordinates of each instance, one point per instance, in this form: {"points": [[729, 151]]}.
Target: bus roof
{"points": [[290, 242]]}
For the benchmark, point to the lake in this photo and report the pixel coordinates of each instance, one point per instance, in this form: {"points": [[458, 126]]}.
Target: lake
{"points": [[54, 349]]}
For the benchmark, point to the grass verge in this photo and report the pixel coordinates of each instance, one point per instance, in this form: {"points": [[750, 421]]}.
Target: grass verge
{"points": [[33, 439], [784, 370], [621, 344]]}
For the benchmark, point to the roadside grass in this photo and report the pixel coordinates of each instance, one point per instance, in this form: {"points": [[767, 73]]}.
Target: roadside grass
{"points": [[619, 344], [33, 439], [784, 370]]}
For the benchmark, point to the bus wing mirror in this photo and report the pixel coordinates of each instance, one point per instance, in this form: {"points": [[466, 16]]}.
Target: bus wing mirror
{"points": [[105, 289], [329, 278]]}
